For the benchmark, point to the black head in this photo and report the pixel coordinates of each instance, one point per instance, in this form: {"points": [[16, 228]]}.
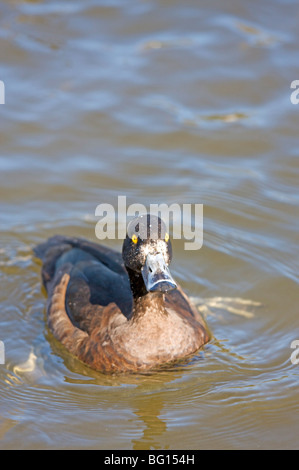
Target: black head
{"points": [[147, 250]]}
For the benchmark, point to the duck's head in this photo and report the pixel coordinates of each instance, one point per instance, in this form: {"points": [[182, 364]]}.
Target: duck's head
{"points": [[147, 251]]}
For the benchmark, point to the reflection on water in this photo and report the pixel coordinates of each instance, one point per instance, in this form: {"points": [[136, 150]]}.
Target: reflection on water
{"points": [[148, 410], [162, 102]]}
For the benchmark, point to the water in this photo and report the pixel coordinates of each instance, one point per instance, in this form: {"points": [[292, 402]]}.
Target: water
{"points": [[162, 102]]}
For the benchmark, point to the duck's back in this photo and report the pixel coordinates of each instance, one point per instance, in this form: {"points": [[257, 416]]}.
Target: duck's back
{"points": [[97, 277]]}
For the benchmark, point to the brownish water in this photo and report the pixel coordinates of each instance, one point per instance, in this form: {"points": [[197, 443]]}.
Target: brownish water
{"points": [[161, 101]]}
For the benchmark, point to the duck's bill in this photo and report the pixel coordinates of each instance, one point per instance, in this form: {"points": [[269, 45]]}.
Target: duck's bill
{"points": [[156, 275]]}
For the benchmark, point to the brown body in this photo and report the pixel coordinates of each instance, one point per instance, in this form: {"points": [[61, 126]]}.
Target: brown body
{"points": [[93, 313]]}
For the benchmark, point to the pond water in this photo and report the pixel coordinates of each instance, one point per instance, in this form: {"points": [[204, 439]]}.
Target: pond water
{"points": [[161, 101]]}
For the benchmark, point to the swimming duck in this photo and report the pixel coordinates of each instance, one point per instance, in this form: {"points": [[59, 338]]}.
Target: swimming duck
{"points": [[120, 312]]}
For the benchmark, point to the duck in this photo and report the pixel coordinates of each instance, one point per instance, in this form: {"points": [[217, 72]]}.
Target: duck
{"points": [[120, 312]]}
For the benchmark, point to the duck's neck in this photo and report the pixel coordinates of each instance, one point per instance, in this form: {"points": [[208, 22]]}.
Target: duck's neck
{"points": [[145, 303]]}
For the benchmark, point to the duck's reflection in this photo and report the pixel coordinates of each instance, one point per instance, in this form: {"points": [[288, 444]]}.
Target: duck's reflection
{"points": [[147, 399], [149, 409]]}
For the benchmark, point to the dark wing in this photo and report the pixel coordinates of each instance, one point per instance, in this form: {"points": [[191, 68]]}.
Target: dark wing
{"points": [[97, 277]]}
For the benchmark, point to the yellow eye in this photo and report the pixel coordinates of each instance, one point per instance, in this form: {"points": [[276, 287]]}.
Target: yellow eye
{"points": [[134, 239], [166, 237]]}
